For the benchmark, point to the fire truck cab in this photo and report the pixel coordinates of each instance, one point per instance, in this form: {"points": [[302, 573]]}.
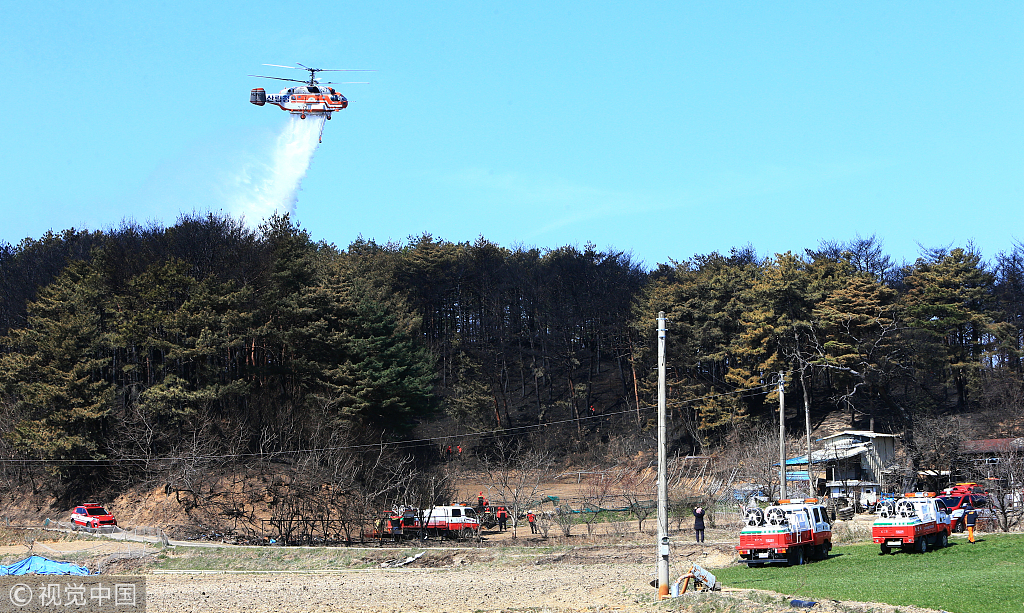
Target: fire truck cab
{"points": [[789, 532], [915, 522]]}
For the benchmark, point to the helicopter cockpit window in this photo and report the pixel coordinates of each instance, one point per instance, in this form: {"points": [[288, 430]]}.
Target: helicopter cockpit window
{"points": [[313, 90]]}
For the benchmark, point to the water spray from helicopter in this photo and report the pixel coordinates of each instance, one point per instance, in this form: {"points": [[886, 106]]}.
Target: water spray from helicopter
{"points": [[272, 184]]}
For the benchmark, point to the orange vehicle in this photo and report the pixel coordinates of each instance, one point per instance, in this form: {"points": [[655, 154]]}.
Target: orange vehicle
{"points": [[399, 524], [915, 522], [790, 532]]}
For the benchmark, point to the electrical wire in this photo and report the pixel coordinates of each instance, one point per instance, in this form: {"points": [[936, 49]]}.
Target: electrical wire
{"points": [[99, 462]]}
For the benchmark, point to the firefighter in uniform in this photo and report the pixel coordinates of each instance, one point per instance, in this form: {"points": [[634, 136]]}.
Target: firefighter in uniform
{"points": [[970, 519]]}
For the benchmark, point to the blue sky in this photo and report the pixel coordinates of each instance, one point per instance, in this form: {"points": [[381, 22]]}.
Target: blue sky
{"points": [[664, 129]]}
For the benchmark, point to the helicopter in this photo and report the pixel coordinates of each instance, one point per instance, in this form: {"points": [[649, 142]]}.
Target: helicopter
{"points": [[310, 98]]}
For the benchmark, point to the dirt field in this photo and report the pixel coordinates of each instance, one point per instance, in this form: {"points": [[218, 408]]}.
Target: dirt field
{"points": [[611, 572], [561, 589], [533, 575], [587, 579], [611, 577]]}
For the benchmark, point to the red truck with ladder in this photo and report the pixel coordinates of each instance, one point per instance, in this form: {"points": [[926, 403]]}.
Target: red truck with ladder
{"points": [[790, 532], [915, 522]]}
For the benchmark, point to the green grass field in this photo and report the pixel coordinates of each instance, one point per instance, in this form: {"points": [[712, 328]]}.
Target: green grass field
{"points": [[986, 577]]}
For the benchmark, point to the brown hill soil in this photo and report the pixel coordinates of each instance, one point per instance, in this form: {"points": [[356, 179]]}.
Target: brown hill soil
{"points": [[235, 503]]}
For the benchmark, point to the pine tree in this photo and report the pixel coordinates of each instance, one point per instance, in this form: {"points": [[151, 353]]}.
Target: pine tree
{"points": [[948, 302], [57, 370]]}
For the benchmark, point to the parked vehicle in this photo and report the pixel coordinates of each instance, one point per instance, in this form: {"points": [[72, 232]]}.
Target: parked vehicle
{"points": [[91, 515], [455, 521], [488, 518], [789, 532], [915, 522], [964, 488], [398, 524], [955, 504]]}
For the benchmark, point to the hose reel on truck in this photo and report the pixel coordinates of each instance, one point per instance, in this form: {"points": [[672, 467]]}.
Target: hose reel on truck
{"points": [[753, 517], [776, 517]]}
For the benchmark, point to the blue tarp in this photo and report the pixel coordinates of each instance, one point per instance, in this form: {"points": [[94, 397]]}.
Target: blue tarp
{"points": [[38, 565]]}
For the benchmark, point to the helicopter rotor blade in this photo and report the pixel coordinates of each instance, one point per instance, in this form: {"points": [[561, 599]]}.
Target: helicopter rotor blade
{"points": [[276, 78], [304, 67]]}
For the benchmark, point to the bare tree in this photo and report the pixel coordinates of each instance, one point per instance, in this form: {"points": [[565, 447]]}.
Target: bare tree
{"points": [[936, 447], [516, 476], [694, 481], [1003, 473], [758, 459], [431, 489], [565, 518], [593, 496], [637, 486]]}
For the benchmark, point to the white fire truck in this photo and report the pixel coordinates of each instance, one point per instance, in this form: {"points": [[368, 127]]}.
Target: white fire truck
{"points": [[456, 521], [790, 532], [913, 523]]}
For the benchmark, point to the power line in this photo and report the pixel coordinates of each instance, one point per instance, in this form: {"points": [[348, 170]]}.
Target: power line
{"points": [[99, 462]]}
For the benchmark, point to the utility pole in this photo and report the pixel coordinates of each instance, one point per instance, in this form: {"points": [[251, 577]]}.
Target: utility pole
{"points": [[782, 435], [662, 465], [807, 428]]}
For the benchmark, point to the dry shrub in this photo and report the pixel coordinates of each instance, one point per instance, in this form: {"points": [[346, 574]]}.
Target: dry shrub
{"points": [[850, 532]]}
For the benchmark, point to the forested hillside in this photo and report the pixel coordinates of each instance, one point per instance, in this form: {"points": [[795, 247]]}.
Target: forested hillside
{"points": [[151, 354]]}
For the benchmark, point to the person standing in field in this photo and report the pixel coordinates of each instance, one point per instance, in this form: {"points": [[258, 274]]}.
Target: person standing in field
{"points": [[502, 518], [531, 518], [970, 519], [698, 523]]}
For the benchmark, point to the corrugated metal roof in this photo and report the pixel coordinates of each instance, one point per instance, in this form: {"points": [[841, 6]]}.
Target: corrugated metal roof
{"points": [[866, 433], [850, 483], [831, 454]]}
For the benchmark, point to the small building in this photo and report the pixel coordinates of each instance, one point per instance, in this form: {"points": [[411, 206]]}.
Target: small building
{"points": [[996, 464], [851, 464], [991, 450]]}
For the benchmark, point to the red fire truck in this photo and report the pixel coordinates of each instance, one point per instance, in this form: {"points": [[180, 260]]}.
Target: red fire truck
{"points": [[790, 532], [915, 522]]}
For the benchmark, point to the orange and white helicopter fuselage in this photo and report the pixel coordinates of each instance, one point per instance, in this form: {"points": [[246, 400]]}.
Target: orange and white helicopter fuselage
{"points": [[302, 100]]}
